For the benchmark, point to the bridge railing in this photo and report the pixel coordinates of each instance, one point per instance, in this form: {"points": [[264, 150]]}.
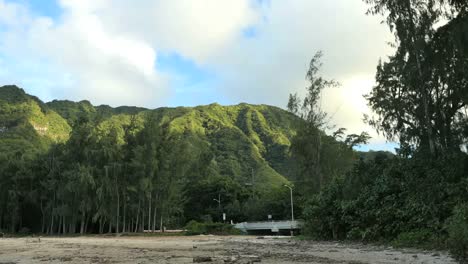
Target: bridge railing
{"points": [[270, 225]]}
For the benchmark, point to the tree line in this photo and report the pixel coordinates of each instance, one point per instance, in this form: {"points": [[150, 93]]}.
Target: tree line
{"points": [[419, 196], [87, 181], [132, 172]]}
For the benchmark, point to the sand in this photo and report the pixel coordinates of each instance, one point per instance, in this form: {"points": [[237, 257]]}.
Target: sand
{"points": [[212, 249]]}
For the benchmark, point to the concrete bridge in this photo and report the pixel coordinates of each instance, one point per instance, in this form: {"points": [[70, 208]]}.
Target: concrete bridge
{"points": [[269, 226]]}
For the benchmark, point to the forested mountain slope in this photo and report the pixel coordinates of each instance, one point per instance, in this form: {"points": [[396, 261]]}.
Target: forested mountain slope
{"points": [[260, 131], [243, 138], [83, 161], [27, 123]]}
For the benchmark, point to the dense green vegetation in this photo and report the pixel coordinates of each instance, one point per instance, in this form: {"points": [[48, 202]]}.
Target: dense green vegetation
{"points": [[417, 197], [71, 167]]}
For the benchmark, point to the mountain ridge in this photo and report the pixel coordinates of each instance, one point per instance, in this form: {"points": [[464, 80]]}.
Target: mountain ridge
{"points": [[239, 135]]}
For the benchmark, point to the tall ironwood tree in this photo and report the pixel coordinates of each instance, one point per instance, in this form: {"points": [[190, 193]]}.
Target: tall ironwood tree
{"points": [[418, 98]]}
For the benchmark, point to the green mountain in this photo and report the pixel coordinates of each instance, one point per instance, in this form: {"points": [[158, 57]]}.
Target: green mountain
{"points": [[265, 129], [240, 153], [242, 137], [72, 110], [26, 123]]}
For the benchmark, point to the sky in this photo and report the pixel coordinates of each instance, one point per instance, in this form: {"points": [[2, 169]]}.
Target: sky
{"points": [[156, 53]]}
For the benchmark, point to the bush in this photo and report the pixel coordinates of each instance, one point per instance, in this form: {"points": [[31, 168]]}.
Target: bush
{"points": [[457, 228], [422, 238], [195, 228], [209, 228], [324, 213]]}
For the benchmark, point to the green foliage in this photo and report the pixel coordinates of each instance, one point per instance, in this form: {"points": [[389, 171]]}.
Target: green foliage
{"points": [[318, 158], [457, 228], [79, 168], [324, 212], [418, 98], [406, 199], [209, 228], [420, 238], [394, 199]]}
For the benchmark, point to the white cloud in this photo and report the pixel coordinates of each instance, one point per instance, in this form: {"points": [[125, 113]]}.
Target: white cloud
{"points": [[195, 29], [347, 106], [106, 50], [12, 14], [266, 68], [111, 68]]}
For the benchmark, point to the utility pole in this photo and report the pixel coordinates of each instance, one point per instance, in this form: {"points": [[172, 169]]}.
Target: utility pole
{"points": [[292, 207]]}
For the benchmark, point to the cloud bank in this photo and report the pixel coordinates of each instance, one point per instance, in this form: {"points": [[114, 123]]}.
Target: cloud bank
{"points": [[256, 51]]}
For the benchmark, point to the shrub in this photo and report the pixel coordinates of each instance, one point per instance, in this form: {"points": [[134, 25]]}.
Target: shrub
{"points": [[422, 238], [195, 228], [457, 228], [209, 228]]}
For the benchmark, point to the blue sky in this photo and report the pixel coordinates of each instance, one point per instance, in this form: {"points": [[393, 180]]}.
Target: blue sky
{"points": [[379, 146], [49, 8], [190, 52], [193, 84]]}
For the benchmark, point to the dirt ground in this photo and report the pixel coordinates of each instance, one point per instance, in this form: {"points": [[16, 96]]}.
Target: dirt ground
{"points": [[209, 249]]}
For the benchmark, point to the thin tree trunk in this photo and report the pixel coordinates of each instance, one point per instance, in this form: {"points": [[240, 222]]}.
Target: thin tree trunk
{"points": [[125, 214], [82, 226], [86, 225], [143, 215], [161, 227], [101, 226], [43, 219], [138, 216], [154, 217], [64, 225], [20, 215], [149, 211], [72, 225], [59, 225], [50, 229], [118, 214]]}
